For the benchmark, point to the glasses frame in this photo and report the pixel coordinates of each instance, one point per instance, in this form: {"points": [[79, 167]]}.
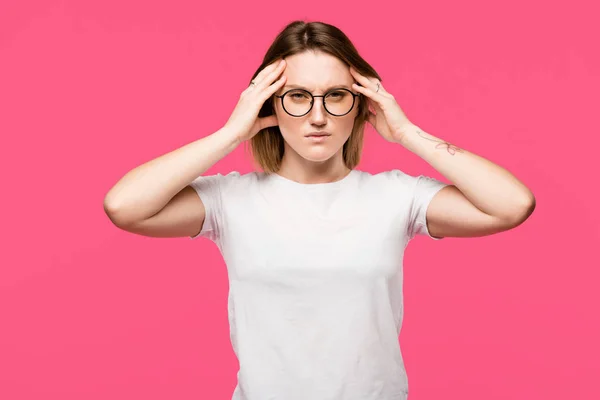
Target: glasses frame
{"points": [[312, 102]]}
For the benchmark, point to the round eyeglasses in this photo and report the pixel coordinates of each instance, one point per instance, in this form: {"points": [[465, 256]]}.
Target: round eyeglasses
{"points": [[299, 102]]}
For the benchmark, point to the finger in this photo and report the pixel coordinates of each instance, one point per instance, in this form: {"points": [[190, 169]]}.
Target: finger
{"points": [[262, 73], [376, 97], [370, 83], [269, 91], [270, 78], [266, 84], [277, 65], [360, 78]]}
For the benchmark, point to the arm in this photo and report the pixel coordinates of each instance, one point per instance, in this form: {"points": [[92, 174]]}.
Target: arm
{"points": [[148, 188], [484, 198]]}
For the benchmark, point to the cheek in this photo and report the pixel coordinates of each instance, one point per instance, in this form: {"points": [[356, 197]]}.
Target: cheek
{"points": [[288, 126], [286, 121]]}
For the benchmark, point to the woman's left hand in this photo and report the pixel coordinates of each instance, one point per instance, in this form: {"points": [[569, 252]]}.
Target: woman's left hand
{"points": [[390, 121]]}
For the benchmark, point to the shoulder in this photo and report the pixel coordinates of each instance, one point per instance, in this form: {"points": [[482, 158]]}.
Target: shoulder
{"points": [[226, 183], [393, 177], [226, 178], [396, 182], [410, 181]]}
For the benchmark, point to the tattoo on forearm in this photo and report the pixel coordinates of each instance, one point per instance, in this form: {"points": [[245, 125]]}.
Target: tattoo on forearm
{"points": [[450, 147]]}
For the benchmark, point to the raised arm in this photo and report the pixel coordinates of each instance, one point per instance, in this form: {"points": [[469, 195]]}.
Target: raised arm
{"points": [[154, 199]]}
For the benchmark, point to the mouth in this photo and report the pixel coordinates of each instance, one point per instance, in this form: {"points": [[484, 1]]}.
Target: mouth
{"points": [[317, 134], [317, 137]]}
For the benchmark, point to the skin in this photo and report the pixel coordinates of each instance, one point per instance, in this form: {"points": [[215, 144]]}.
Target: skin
{"points": [[304, 161]]}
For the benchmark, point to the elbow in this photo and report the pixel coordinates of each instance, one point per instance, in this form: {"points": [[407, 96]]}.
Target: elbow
{"points": [[525, 212], [115, 213]]}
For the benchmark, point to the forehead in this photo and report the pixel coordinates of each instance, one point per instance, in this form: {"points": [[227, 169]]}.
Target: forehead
{"points": [[316, 70]]}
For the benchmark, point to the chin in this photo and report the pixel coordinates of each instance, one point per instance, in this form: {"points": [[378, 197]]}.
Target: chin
{"points": [[317, 159], [318, 153]]}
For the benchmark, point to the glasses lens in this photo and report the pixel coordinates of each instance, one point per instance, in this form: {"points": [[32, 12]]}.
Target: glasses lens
{"points": [[337, 102], [297, 102]]}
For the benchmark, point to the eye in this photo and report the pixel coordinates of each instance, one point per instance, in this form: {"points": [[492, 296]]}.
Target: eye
{"points": [[298, 95], [337, 94]]}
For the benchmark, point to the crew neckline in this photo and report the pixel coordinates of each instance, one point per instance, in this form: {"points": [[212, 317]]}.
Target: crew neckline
{"points": [[317, 186]]}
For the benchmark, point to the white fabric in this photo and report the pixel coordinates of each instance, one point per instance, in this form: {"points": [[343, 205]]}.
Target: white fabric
{"points": [[315, 279]]}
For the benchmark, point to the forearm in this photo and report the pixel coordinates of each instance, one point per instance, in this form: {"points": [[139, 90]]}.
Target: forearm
{"points": [[147, 188], [491, 188]]}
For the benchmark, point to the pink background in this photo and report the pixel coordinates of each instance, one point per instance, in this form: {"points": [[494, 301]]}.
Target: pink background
{"points": [[89, 90]]}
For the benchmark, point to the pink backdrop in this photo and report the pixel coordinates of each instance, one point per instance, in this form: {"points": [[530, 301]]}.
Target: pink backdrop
{"points": [[90, 90]]}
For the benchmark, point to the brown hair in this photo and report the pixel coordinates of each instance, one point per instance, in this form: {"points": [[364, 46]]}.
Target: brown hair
{"points": [[298, 36]]}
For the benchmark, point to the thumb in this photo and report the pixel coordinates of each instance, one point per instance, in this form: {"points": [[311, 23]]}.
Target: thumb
{"points": [[372, 118], [266, 122]]}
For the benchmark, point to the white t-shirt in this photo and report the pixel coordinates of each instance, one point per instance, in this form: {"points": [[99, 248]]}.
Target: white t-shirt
{"points": [[315, 279]]}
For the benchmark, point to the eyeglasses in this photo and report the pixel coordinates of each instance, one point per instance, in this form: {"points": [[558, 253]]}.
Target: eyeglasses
{"points": [[299, 102]]}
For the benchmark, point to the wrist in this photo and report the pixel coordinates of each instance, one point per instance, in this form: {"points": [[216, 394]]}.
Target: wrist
{"points": [[229, 135]]}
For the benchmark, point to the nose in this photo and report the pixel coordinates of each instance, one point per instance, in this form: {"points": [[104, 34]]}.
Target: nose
{"points": [[317, 113]]}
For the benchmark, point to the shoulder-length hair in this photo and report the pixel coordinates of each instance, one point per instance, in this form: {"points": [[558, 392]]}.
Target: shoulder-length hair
{"points": [[267, 146]]}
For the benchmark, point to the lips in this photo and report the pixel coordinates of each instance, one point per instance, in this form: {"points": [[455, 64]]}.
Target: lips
{"points": [[318, 134]]}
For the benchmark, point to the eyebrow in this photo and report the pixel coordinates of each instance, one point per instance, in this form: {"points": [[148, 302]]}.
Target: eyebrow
{"points": [[292, 86]]}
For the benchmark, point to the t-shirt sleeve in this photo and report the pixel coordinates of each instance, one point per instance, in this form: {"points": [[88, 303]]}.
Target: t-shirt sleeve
{"points": [[420, 190], [209, 188], [424, 189]]}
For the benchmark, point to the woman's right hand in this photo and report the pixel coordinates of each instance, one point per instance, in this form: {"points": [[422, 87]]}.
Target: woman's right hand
{"points": [[244, 119]]}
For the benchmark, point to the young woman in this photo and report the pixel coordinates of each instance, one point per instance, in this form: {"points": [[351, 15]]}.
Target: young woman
{"points": [[314, 247]]}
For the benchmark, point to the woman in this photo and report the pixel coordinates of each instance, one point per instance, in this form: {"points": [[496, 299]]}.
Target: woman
{"points": [[313, 246]]}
